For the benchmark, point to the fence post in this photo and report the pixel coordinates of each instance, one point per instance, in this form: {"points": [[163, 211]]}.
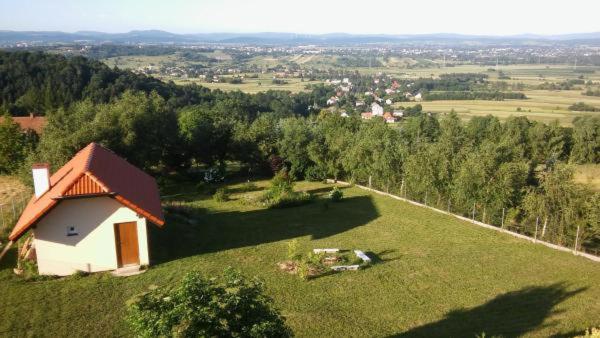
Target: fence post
{"points": [[448, 204], [576, 240], [502, 226], [473, 219], [401, 187], [369, 181], [537, 220], [425, 198]]}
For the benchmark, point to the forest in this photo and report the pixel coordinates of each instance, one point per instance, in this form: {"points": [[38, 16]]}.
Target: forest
{"points": [[518, 169]]}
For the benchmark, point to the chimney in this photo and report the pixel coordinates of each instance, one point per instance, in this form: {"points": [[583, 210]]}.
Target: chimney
{"points": [[41, 178]]}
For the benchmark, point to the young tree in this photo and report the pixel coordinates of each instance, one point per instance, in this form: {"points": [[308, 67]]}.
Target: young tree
{"points": [[14, 145]]}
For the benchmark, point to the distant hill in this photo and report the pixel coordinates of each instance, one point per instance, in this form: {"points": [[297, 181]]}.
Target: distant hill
{"points": [[163, 37]]}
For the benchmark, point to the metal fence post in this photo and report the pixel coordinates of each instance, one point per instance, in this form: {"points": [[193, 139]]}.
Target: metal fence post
{"points": [[502, 226], [473, 219]]}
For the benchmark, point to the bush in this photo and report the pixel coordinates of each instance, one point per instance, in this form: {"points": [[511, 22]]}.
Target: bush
{"points": [[221, 195], [314, 174], [281, 193], [233, 306], [336, 194]]}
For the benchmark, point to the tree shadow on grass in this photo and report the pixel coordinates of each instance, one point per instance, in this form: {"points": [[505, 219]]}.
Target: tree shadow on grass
{"points": [[512, 314], [214, 232]]}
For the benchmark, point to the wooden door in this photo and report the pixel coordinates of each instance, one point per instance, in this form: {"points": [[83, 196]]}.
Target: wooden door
{"points": [[127, 244]]}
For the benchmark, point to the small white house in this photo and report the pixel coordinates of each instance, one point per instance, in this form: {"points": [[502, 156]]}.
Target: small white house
{"points": [[91, 215], [419, 97], [376, 109]]}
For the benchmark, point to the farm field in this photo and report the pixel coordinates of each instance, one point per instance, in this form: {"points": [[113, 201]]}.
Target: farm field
{"points": [[540, 105], [433, 275], [252, 85], [588, 174]]}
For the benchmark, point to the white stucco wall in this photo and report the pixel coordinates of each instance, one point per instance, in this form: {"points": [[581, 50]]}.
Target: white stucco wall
{"points": [[94, 248]]}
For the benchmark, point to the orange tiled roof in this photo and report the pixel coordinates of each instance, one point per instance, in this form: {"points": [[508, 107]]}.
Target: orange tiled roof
{"points": [[93, 171], [35, 123]]}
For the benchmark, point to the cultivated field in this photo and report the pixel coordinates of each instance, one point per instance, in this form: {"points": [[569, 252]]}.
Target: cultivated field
{"points": [[588, 174], [12, 194], [263, 83], [540, 105], [433, 275]]}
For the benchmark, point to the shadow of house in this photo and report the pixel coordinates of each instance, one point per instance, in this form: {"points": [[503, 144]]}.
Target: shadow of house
{"points": [[213, 232], [512, 314]]}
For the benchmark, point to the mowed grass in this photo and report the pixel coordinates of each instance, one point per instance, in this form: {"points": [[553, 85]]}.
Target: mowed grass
{"points": [[433, 275]]}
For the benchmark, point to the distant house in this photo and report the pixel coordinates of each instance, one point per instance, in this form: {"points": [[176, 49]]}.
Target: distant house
{"points": [[389, 117], [418, 97], [30, 123], [332, 100], [344, 114], [398, 113], [388, 101], [366, 115], [408, 95], [91, 215], [389, 91], [376, 109], [360, 103]]}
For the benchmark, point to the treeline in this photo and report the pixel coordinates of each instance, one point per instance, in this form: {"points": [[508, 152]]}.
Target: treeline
{"points": [[582, 106], [474, 95]]}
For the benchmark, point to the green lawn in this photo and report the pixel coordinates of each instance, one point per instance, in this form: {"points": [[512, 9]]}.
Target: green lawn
{"points": [[433, 274]]}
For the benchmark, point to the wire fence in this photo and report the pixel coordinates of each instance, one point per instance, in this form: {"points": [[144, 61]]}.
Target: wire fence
{"points": [[11, 207], [536, 229]]}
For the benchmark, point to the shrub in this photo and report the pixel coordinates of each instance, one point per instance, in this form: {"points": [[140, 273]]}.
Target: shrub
{"points": [[281, 193], [221, 195], [336, 194], [232, 306], [314, 174]]}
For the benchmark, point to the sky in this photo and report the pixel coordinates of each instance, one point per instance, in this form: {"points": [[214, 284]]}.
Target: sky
{"points": [[483, 17]]}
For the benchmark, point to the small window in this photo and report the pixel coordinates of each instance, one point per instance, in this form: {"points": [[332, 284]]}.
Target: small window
{"points": [[71, 231]]}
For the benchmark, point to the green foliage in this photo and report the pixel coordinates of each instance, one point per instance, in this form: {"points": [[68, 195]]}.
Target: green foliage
{"points": [[586, 140], [281, 193], [232, 306], [15, 145], [582, 106], [221, 195], [336, 194], [292, 250]]}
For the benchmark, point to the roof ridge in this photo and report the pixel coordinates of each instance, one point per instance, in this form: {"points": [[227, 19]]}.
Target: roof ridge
{"points": [[88, 161]]}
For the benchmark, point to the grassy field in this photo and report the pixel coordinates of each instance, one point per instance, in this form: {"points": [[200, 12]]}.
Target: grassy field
{"points": [[253, 85], [588, 174], [540, 105], [12, 191], [433, 275]]}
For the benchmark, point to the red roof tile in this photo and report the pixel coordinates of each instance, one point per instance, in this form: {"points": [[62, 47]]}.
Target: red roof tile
{"points": [[92, 171], [35, 123]]}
